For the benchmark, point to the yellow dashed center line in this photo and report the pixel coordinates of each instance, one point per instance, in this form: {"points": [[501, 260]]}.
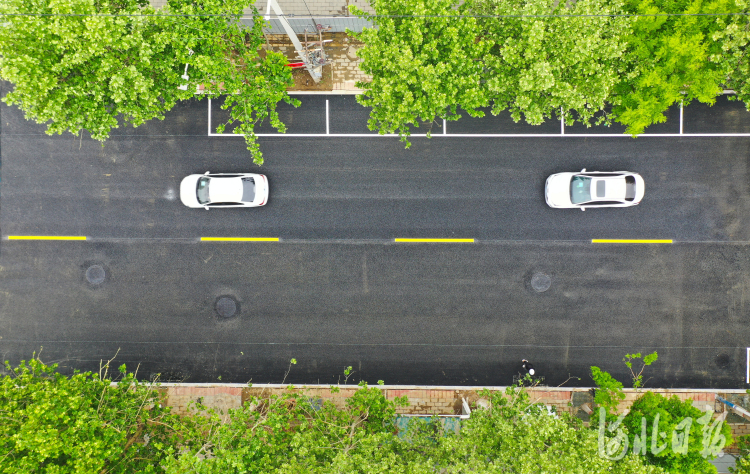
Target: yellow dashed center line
{"points": [[442, 241], [46, 237], [631, 241], [239, 239]]}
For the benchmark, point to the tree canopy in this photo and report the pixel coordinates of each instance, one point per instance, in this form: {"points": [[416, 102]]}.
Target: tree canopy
{"points": [[557, 60], [423, 68], [96, 64], [82, 424], [590, 61], [667, 59]]}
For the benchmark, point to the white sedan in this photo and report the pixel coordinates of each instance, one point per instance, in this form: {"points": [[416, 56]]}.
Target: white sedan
{"points": [[219, 190], [594, 189]]}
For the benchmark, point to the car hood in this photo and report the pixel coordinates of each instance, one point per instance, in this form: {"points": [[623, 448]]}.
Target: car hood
{"points": [[188, 191], [557, 190]]}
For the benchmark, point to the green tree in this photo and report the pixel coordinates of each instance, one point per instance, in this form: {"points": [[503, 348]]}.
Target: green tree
{"points": [[557, 59], [423, 68], [742, 466], [668, 59], [653, 413], [292, 433], [608, 392], [95, 64], [732, 36], [225, 61], [83, 423], [515, 434]]}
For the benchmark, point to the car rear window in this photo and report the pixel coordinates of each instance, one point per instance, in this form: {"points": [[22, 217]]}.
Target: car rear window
{"points": [[629, 188], [248, 189]]}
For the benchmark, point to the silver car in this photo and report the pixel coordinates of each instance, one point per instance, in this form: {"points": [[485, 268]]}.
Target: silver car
{"points": [[594, 189], [221, 190]]}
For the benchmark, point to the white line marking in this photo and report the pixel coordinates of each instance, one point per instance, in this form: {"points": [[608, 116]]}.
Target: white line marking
{"points": [[488, 135], [680, 117], [748, 365], [445, 127], [562, 122], [328, 129], [209, 116]]}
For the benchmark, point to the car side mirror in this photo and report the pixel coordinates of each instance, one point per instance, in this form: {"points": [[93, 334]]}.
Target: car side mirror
{"points": [[583, 170], [206, 173], [583, 208]]}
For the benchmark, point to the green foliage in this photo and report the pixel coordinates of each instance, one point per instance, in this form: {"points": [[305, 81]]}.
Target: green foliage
{"points": [[83, 72], [609, 391], [648, 360], [83, 423], [291, 433], [226, 62], [677, 416], [540, 67], [422, 69], [732, 35], [515, 434], [668, 60], [96, 72], [742, 465]]}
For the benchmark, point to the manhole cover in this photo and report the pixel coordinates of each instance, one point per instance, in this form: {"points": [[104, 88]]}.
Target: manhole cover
{"points": [[95, 274], [723, 361], [540, 282], [226, 306]]}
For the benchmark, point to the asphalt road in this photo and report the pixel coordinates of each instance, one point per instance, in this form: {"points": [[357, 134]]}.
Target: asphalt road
{"points": [[337, 291]]}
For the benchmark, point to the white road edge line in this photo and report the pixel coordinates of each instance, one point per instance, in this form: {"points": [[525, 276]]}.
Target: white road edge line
{"points": [[445, 127], [328, 121], [562, 122], [748, 365], [209, 116]]}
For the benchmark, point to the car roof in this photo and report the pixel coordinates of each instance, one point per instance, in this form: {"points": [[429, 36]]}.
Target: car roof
{"points": [[222, 189], [607, 186]]}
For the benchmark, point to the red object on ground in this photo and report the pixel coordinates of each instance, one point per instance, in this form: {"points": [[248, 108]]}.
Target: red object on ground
{"points": [[296, 65]]}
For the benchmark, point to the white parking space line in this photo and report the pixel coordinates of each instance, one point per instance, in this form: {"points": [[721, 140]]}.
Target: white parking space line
{"points": [[485, 135], [748, 366], [478, 135], [209, 116], [680, 117], [562, 122]]}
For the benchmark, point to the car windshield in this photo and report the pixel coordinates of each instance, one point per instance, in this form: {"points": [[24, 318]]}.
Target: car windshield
{"points": [[580, 189], [203, 190]]}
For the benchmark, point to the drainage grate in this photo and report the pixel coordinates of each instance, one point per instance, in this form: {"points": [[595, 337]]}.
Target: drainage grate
{"points": [[226, 306], [96, 275], [541, 282]]}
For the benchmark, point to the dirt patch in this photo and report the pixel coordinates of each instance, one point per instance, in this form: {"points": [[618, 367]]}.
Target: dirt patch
{"points": [[304, 82]]}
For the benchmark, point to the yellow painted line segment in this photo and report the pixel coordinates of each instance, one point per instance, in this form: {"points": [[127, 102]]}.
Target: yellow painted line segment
{"points": [[444, 241], [631, 241], [239, 239], [46, 237]]}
